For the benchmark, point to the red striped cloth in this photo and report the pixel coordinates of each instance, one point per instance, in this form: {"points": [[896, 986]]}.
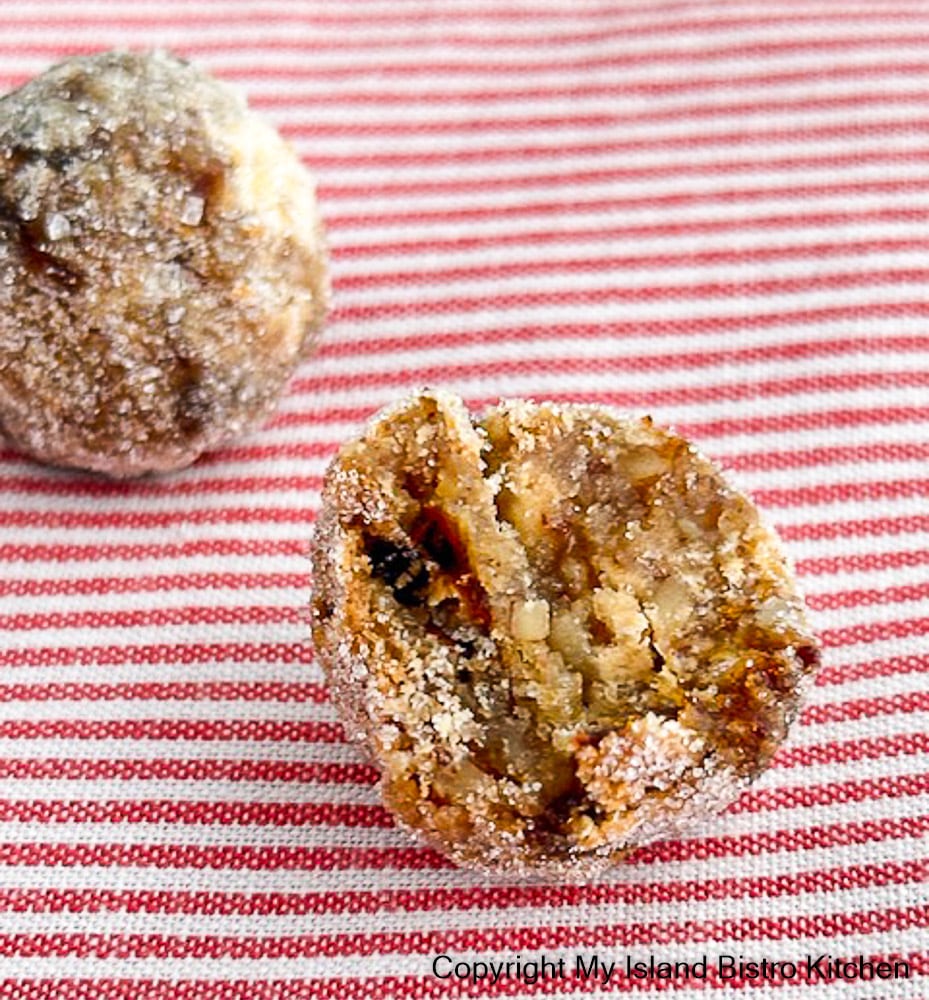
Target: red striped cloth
{"points": [[715, 212]]}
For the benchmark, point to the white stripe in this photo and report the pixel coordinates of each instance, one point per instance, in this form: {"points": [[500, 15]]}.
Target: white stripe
{"points": [[436, 921], [622, 116], [319, 880], [257, 834], [709, 140], [386, 36], [376, 966], [164, 598], [673, 169], [515, 49], [853, 472], [188, 750], [870, 614], [137, 709], [725, 449], [880, 726], [829, 582], [495, 95], [271, 793], [216, 835], [869, 271], [407, 264], [541, 385], [174, 711], [782, 199], [177, 635]]}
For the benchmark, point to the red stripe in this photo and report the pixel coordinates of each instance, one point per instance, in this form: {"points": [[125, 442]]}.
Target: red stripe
{"points": [[856, 528], [91, 487], [324, 163], [251, 690], [837, 673], [482, 121], [684, 83], [379, 987], [755, 460], [200, 812], [248, 858], [162, 653], [244, 857], [564, 235], [667, 200], [822, 384], [863, 708], [626, 934], [197, 813], [295, 652], [862, 562], [37, 552], [342, 16], [581, 264], [159, 583], [874, 632], [199, 769], [578, 90], [801, 458], [273, 614], [480, 15], [870, 596], [262, 730], [801, 496], [465, 898], [523, 366], [238, 769], [832, 793], [845, 673], [225, 516], [766, 459], [683, 113], [844, 751], [744, 48], [191, 615], [621, 330]]}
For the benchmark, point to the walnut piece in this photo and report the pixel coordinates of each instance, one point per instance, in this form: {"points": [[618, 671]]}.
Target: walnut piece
{"points": [[560, 632]]}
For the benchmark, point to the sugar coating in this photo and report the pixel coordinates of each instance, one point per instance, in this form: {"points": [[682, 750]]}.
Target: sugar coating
{"points": [[162, 264], [559, 631]]}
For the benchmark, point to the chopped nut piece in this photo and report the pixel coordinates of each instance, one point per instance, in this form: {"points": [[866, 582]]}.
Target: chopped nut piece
{"points": [[560, 632], [530, 620]]}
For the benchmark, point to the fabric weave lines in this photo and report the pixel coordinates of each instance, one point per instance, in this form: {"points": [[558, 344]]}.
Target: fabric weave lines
{"points": [[713, 212]]}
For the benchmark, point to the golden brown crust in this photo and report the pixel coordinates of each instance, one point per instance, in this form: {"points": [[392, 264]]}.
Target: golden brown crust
{"points": [[162, 264], [560, 632]]}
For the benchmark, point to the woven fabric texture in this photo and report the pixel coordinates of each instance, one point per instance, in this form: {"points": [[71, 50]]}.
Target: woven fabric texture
{"points": [[713, 212]]}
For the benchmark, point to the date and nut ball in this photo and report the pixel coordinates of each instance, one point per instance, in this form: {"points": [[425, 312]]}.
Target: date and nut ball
{"points": [[559, 631], [162, 264]]}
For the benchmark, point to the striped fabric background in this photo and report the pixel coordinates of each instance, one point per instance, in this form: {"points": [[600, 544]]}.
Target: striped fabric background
{"points": [[715, 212]]}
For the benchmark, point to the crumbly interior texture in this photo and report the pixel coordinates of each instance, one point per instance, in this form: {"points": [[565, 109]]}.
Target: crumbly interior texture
{"points": [[560, 632], [162, 264]]}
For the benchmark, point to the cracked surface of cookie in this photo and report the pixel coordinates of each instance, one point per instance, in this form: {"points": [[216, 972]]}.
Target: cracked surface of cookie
{"points": [[559, 631], [162, 264]]}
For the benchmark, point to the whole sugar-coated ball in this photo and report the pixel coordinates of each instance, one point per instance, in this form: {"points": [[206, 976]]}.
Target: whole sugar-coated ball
{"points": [[162, 264]]}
